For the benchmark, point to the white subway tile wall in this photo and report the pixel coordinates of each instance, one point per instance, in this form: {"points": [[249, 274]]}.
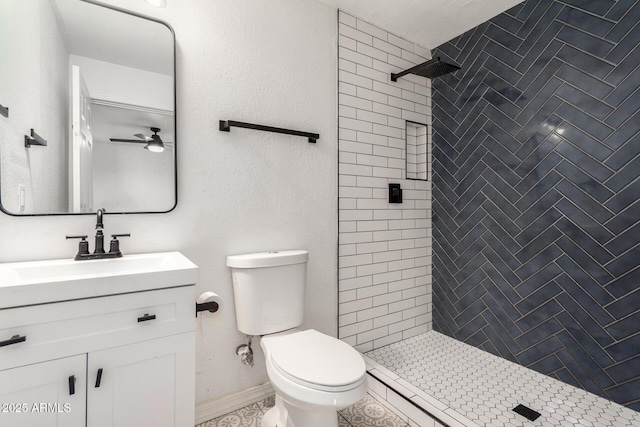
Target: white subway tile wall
{"points": [[384, 249]]}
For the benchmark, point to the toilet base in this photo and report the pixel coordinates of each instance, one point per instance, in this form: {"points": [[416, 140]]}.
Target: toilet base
{"points": [[284, 414]]}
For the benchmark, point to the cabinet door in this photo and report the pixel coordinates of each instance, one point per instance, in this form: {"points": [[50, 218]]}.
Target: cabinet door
{"points": [[47, 394], [150, 383]]}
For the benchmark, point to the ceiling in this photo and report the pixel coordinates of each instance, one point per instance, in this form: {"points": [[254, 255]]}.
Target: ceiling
{"points": [[429, 23]]}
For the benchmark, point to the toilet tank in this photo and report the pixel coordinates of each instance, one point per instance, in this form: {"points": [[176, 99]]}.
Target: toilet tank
{"points": [[268, 289]]}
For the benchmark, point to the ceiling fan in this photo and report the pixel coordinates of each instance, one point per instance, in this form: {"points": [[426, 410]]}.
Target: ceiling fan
{"points": [[154, 142]]}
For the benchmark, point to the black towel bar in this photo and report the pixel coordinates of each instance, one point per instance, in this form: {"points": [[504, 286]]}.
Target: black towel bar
{"points": [[226, 125], [34, 139]]}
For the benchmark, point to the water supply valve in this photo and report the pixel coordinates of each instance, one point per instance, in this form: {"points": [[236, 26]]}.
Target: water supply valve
{"points": [[245, 352]]}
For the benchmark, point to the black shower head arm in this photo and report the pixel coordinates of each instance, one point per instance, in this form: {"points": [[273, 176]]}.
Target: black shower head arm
{"points": [[429, 69]]}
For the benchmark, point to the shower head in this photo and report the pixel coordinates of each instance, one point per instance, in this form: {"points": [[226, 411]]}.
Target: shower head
{"points": [[430, 69]]}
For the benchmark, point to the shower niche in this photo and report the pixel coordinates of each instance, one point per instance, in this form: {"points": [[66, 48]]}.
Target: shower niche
{"points": [[417, 153]]}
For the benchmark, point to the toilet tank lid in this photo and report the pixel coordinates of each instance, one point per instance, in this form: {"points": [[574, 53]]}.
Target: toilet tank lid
{"points": [[267, 259]]}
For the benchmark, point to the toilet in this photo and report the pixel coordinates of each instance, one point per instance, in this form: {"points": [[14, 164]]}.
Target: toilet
{"points": [[314, 375]]}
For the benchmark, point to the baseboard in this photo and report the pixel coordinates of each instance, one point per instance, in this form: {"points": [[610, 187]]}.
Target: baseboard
{"points": [[206, 411]]}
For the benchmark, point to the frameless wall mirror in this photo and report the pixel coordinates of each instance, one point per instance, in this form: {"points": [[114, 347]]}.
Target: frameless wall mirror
{"points": [[90, 92], [417, 166]]}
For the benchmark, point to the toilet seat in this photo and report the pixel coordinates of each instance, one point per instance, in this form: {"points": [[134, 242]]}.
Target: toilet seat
{"points": [[317, 361]]}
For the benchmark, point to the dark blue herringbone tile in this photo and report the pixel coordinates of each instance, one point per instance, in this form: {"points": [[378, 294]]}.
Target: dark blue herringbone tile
{"points": [[542, 115], [506, 296], [471, 159], [597, 7], [624, 263], [583, 161], [585, 122], [625, 393], [617, 11], [543, 132], [500, 234], [584, 41], [585, 380], [542, 223], [625, 349], [582, 258], [501, 73], [472, 257], [573, 272], [540, 350], [536, 63], [624, 111], [584, 200], [585, 222], [625, 177], [628, 42], [547, 328], [583, 80], [536, 162], [626, 23], [593, 328], [584, 101], [620, 372], [538, 92], [585, 297], [624, 241], [625, 133], [585, 21], [575, 133], [584, 241], [599, 191], [628, 66], [624, 219], [540, 177], [534, 246], [625, 306], [540, 278], [542, 258], [625, 197], [539, 297], [547, 365], [624, 327], [586, 341], [493, 344], [537, 32], [494, 179], [537, 207]]}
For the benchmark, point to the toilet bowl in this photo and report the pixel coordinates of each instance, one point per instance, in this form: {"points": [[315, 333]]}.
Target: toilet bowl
{"points": [[314, 376]]}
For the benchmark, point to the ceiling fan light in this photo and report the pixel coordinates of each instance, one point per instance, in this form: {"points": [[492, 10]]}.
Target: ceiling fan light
{"points": [[155, 147], [157, 3]]}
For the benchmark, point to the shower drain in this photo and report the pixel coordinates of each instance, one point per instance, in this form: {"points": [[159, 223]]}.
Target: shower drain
{"points": [[526, 412]]}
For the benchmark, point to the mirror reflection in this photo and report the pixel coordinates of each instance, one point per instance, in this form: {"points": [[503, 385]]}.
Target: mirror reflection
{"points": [[97, 85]]}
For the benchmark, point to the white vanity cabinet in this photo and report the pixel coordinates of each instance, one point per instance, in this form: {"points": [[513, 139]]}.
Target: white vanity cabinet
{"points": [[103, 360], [40, 394]]}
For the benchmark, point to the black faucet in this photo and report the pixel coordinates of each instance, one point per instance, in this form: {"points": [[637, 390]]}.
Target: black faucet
{"points": [[98, 253], [99, 235]]}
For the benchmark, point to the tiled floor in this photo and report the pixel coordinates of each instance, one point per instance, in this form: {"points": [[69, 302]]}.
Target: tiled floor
{"points": [[484, 388], [366, 413]]}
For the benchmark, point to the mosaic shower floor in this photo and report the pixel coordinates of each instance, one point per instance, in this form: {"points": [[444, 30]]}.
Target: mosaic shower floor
{"points": [[366, 413], [484, 388]]}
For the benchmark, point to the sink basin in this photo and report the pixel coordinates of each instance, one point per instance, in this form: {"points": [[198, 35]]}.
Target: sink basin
{"points": [[38, 282]]}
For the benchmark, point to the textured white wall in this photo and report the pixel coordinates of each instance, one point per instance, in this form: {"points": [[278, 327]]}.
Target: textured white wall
{"points": [[272, 63]]}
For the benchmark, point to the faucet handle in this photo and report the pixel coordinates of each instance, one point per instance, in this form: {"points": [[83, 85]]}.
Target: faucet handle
{"points": [[114, 246], [83, 246]]}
